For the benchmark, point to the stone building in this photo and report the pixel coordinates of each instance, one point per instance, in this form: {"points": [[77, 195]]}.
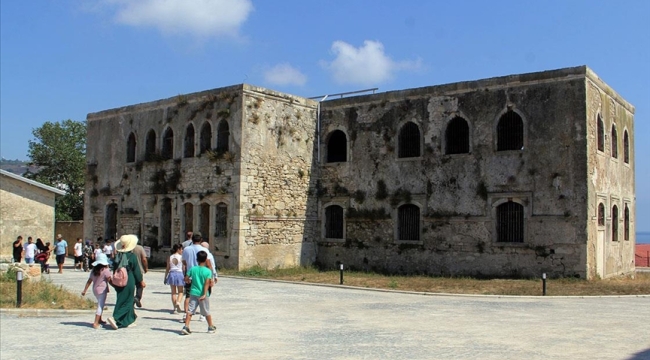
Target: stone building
{"points": [[26, 208], [509, 176]]}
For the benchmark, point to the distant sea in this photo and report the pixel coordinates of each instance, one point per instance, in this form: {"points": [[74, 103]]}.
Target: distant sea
{"points": [[643, 238]]}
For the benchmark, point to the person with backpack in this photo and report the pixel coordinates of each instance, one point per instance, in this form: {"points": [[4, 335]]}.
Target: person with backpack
{"points": [[125, 276]]}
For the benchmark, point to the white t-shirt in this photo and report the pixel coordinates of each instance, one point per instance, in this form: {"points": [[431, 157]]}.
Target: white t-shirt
{"points": [[176, 263], [78, 249], [108, 250], [30, 250], [97, 252]]}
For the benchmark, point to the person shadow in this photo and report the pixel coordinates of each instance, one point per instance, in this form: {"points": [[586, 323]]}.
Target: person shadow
{"points": [[177, 332], [77, 323], [641, 355]]}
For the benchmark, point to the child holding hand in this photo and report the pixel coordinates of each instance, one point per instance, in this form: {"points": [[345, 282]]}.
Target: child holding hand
{"points": [[100, 277]]}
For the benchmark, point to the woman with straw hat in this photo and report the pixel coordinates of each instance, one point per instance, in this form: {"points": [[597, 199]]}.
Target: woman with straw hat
{"points": [[124, 314]]}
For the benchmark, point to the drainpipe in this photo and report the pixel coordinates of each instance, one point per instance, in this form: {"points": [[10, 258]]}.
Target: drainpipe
{"points": [[318, 127]]}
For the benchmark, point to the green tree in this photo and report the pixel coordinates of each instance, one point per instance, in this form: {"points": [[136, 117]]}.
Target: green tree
{"points": [[59, 151]]}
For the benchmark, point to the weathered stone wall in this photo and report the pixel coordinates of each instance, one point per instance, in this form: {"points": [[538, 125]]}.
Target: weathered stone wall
{"points": [[70, 231], [24, 210], [457, 194], [278, 213], [610, 181]]}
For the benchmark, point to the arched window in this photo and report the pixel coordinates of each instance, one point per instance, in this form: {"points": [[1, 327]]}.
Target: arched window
{"points": [[614, 223], [626, 223], [601, 134], [510, 132], [223, 133], [166, 223], [204, 221], [206, 137], [337, 147], [130, 148], [601, 214], [168, 144], [457, 136], [614, 142], [626, 147], [408, 222], [188, 148], [150, 145], [189, 217], [510, 222], [409, 141], [221, 224], [334, 222]]}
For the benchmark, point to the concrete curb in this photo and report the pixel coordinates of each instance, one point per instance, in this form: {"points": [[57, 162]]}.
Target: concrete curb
{"points": [[436, 294], [45, 312]]}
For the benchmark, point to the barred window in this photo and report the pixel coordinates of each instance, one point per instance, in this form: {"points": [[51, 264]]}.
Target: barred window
{"points": [[334, 222], [204, 221], [150, 145], [601, 134], [110, 226], [206, 137], [409, 141], [626, 223], [601, 214], [130, 148], [614, 223], [168, 144], [626, 147], [189, 217], [408, 226], [510, 132], [614, 142], [510, 222], [189, 142], [457, 136], [337, 147], [221, 224], [223, 133], [166, 223]]}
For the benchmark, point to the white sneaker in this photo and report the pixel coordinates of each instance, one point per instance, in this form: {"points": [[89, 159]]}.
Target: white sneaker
{"points": [[201, 318]]}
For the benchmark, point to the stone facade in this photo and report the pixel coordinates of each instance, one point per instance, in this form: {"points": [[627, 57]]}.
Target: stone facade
{"points": [[26, 208], [496, 177]]}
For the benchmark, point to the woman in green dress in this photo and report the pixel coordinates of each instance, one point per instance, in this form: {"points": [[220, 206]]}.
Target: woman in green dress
{"points": [[124, 313]]}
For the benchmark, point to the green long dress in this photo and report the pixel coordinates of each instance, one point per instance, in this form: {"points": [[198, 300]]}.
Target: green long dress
{"points": [[124, 313]]}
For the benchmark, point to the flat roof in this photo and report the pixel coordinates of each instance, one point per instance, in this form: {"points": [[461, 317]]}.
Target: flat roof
{"points": [[32, 182]]}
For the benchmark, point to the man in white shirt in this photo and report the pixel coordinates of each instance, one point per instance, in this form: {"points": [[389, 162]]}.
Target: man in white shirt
{"points": [[188, 240], [30, 251], [78, 254]]}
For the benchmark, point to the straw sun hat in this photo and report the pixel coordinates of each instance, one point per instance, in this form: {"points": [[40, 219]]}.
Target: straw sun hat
{"points": [[126, 243]]}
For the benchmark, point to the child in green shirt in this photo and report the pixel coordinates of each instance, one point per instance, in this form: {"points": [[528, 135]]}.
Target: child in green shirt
{"points": [[201, 279]]}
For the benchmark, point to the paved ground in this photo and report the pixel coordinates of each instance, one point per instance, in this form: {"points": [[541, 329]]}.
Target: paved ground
{"points": [[270, 320]]}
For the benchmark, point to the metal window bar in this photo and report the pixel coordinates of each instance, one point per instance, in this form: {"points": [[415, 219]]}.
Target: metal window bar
{"points": [[223, 132], [408, 222], [601, 134], [626, 148], [168, 144], [510, 132], [614, 143], [615, 223], [221, 224], [130, 148], [409, 141], [601, 214], [457, 136], [206, 138], [189, 141], [334, 222], [510, 222], [337, 147]]}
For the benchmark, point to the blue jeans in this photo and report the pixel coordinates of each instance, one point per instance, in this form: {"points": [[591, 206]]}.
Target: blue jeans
{"points": [[29, 260]]}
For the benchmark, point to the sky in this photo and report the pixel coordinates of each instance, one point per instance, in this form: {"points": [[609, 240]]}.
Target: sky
{"points": [[63, 59]]}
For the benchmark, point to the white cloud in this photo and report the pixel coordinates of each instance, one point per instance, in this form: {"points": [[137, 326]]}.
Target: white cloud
{"points": [[366, 65], [202, 18], [284, 74]]}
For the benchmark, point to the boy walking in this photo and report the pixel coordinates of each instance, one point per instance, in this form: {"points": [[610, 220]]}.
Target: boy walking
{"points": [[201, 279]]}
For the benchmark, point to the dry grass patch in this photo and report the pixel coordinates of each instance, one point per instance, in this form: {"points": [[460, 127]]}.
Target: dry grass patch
{"points": [[40, 295], [458, 285]]}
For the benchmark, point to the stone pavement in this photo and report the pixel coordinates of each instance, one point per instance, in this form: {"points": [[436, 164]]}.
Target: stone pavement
{"points": [[274, 320]]}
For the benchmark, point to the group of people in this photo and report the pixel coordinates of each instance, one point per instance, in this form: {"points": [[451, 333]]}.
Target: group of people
{"points": [[191, 273], [40, 252]]}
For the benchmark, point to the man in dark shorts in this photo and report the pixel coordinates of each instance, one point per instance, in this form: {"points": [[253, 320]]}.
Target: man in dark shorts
{"points": [[18, 249], [60, 250]]}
